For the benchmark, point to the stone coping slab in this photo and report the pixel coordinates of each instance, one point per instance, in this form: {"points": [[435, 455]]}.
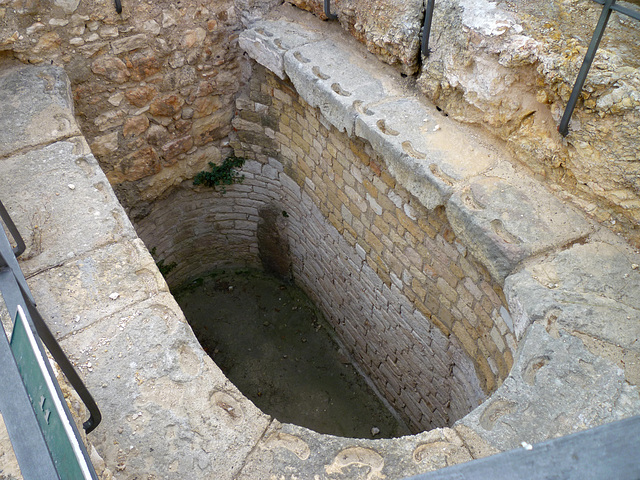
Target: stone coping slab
{"points": [[169, 412], [355, 98], [36, 109], [67, 181]]}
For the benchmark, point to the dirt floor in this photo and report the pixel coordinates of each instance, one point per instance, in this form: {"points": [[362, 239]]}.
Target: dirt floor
{"points": [[274, 345]]}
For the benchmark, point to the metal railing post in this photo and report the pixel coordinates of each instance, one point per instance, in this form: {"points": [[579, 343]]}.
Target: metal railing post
{"points": [[327, 10], [563, 128], [426, 28]]}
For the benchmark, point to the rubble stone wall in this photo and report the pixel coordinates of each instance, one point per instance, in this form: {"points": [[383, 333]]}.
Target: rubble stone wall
{"points": [[153, 87], [418, 314]]}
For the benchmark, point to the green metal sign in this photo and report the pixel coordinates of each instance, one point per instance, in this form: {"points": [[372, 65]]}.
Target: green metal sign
{"points": [[55, 422]]}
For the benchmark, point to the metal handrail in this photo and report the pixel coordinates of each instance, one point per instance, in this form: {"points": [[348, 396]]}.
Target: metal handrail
{"points": [[28, 440], [609, 6], [426, 28], [327, 10]]}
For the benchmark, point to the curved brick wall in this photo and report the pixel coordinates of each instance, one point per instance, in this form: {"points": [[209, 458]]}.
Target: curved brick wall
{"points": [[422, 319]]}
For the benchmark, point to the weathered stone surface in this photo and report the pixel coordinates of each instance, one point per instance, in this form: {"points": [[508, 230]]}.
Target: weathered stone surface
{"points": [[557, 387], [72, 186], [267, 42], [96, 285], [504, 220], [176, 401], [135, 126], [37, 108], [310, 455], [585, 291], [320, 72], [175, 147], [166, 106], [105, 144], [111, 67], [139, 164]]}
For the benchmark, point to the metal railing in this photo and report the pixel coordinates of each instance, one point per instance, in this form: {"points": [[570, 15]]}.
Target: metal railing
{"points": [[21, 412], [608, 7]]}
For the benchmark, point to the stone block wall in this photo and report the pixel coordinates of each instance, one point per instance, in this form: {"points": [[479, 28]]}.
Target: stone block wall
{"points": [[421, 318]]}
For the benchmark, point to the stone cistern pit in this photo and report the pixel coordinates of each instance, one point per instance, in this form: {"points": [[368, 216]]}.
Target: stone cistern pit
{"points": [[479, 270]]}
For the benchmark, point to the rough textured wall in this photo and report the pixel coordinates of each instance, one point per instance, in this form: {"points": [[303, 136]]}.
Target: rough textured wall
{"points": [[154, 87], [422, 319], [389, 28], [510, 67]]}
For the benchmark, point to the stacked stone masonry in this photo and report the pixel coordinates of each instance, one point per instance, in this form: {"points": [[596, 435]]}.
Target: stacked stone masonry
{"points": [[423, 320], [153, 87]]}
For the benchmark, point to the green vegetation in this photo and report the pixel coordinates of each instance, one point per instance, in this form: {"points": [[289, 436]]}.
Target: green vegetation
{"points": [[224, 174], [164, 269]]}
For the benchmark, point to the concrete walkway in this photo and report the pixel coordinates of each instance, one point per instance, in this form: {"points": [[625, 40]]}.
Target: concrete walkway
{"points": [[169, 412]]}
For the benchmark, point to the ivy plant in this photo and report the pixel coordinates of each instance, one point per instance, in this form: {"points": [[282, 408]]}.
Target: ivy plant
{"points": [[223, 174]]}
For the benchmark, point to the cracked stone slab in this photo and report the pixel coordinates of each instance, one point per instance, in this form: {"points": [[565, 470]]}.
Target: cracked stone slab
{"points": [[96, 285], [76, 210], [589, 291], [555, 388], [333, 79], [37, 108], [168, 410], [268, 41], [297, 452], [504, 220]]}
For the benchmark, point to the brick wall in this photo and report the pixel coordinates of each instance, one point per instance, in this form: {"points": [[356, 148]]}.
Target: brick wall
{"points": [[421, 318]]}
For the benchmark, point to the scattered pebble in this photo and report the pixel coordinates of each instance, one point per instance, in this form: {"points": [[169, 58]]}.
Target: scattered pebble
{"points": [[114, 296], [526, 446], [436, 128], [375, 431], [634, 266], [71, 186]]}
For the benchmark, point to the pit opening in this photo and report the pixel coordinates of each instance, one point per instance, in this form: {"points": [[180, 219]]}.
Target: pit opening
{"points": [[271, 341], [422, 320]]}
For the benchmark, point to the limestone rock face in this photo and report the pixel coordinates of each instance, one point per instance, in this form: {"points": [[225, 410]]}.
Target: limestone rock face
{"points": [[390, 29], [511, 68]]}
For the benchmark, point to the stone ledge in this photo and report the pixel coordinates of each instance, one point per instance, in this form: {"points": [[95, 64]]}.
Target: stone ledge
{"points": [[517, 229], [69, 184], [428, 155]]}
